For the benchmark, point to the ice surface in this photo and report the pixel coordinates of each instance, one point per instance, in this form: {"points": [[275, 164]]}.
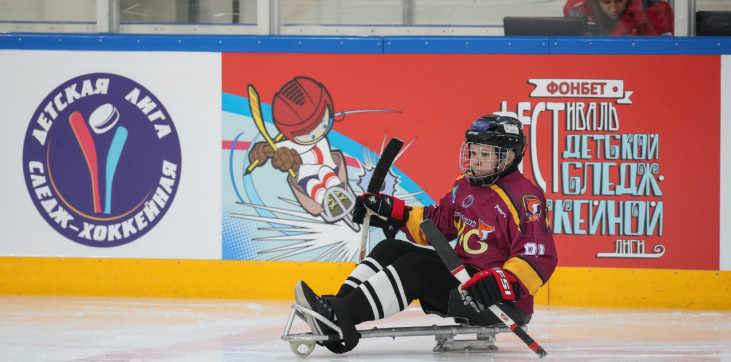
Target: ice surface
{"points": [[42, 328]]}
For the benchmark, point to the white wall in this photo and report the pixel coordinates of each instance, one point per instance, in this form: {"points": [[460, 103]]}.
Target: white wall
{"points": [[189, 87]]}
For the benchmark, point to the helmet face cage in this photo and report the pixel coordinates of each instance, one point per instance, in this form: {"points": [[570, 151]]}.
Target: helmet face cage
{"points": [[493, 148], [483, 164]]}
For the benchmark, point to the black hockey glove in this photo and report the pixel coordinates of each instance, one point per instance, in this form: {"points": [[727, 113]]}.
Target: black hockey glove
{"points": [[393, 211], [489, 287]]}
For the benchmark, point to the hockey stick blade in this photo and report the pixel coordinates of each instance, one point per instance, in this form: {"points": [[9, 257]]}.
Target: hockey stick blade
{"points": [[374, 187], [437, 240], [384, 165]]}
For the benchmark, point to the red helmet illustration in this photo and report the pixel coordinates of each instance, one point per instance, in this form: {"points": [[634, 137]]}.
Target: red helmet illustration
{"points": [[298, 107]]}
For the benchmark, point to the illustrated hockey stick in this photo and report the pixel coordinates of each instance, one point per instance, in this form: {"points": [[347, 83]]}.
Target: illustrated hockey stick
{"points": [[255, 107], [88, 148], [115, 151], [374, 187], [255, 164], [436, 239]]}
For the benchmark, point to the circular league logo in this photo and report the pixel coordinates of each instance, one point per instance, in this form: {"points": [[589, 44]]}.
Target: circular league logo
{"points": [[101, 160]]}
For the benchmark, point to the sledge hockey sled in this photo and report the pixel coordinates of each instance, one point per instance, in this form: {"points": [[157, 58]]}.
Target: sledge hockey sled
{"points": [[444, 335], [339, 200]]}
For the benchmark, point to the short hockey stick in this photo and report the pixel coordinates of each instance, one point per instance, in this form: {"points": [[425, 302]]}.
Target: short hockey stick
{"points": [[436, 239], [374, 187]]}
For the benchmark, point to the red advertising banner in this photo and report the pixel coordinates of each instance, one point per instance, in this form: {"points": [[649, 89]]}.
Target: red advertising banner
{"points": [[625, 147]]}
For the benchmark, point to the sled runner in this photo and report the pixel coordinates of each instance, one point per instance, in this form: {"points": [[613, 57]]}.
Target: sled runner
{"points": [[483, 341]]}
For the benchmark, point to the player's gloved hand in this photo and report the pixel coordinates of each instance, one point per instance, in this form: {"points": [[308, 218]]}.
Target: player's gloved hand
{"points": [[489, 287], [393, 211], [286, 159], [261, 151]]}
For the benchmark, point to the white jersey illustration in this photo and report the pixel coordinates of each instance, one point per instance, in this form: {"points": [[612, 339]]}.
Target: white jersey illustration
{"points": [[317, 171]]}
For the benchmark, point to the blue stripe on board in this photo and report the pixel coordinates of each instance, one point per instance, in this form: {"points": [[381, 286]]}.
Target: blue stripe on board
{"points": [[192, 43], [370, 44]]}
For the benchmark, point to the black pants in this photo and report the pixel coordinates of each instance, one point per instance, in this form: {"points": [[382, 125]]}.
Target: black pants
{"points": [[412, 272]]}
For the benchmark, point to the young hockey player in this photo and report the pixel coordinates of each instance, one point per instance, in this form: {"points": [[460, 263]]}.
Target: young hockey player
{"points": [[499, 221]]}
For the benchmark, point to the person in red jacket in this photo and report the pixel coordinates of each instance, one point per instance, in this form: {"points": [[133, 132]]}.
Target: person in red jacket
{"points": [[622, 17], [499, 220]]}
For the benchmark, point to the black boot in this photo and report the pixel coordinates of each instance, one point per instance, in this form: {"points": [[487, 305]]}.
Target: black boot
{"points": [[305, 297]]}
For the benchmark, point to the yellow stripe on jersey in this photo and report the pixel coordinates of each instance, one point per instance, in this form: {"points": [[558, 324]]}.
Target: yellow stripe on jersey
{"points": [[508, 202], [525, 273], [416, 216]]}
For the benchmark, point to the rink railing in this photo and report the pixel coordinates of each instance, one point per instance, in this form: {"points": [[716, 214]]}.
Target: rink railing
{"points": [[371, 44]]}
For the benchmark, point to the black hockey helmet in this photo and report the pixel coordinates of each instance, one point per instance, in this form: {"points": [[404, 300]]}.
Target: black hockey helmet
{"points": [[501, 135]]}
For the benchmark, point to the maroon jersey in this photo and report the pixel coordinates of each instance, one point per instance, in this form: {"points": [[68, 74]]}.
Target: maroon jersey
{"points": [[504, 225]]}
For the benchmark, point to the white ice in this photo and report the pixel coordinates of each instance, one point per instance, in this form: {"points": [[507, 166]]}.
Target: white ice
{"points": [[42, 328]]}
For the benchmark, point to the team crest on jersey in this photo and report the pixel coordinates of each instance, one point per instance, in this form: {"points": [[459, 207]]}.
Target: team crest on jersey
{"points": [[532, 206], [485, 230], [467, 202]]}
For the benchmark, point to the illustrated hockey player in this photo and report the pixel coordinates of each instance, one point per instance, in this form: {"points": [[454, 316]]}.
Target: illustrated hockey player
{"points": [[499, 220], [303, 113]]}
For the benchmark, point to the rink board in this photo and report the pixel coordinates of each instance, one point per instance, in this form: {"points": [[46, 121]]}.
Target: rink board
{"points": [[631, 163], [569, 286]]}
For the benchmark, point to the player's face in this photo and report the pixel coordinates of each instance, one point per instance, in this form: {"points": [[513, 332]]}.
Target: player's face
{"points": [[318, 133], [614, 9], [485, 160]]}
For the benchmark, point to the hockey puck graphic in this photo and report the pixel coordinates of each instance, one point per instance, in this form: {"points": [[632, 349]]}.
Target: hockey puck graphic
{"points": [[104, 118]]}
